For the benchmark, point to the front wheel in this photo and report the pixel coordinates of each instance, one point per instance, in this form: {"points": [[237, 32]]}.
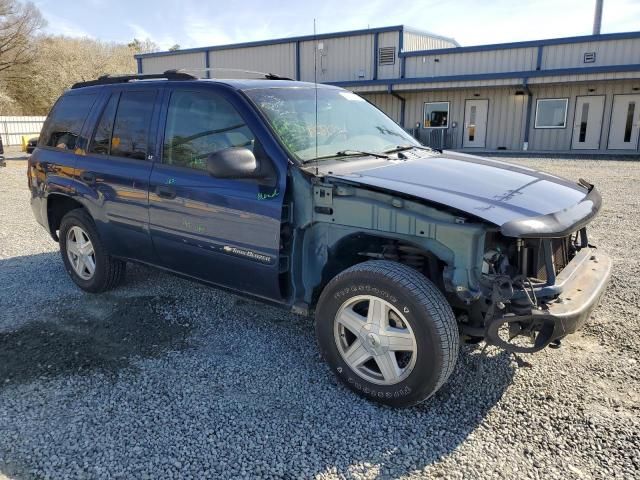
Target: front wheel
{"points": [[387, 332]]}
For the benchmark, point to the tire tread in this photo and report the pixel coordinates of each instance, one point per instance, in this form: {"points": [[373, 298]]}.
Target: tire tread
{"points": [[431, 299]]}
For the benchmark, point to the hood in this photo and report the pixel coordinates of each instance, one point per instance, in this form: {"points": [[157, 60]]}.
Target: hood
{"points": [[525, 202]]}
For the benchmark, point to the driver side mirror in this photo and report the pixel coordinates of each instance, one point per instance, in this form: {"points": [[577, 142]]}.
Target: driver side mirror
{"points": [[234, 162]]}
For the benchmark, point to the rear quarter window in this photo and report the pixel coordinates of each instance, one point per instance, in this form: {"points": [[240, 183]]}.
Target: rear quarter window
{"points": [[65, 121]]}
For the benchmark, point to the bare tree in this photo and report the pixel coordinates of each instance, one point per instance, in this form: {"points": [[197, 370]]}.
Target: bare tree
{"points": [[19, 24], [61, 62], [143, 46]]}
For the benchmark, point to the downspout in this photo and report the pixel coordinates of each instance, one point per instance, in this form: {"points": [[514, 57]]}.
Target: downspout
{"points": [[207, 64], [375, 56], [402, 103], [298, 60], [400, 52], [527, 123]]}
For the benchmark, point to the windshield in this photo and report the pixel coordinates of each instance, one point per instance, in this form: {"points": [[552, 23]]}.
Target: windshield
{"points": [[346, 122]]}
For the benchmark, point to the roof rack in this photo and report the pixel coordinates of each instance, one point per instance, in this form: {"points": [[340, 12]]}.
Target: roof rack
{"points": [[109, 80]]}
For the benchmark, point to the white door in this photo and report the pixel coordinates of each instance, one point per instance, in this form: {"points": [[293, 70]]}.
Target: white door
{"points": [[587, 123], [475, 123], [625, 122]]}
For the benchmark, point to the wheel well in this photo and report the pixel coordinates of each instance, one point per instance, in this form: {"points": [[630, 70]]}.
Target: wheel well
{"points": [[57, 207], [360, 247]]}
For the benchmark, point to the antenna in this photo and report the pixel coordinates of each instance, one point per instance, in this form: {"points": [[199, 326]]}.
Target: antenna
{"points": [[315, 84]]}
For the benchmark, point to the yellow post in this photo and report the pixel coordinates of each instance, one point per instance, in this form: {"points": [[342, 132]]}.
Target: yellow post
{"points": [[24, 141]]}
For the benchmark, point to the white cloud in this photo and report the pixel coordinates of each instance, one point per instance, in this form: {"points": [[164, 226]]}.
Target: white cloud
{"points": [[57, 25], [141, 33]]}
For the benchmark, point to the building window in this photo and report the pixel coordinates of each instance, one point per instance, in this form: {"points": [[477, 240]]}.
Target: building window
{"points": [[551, 113], [436, 115]]}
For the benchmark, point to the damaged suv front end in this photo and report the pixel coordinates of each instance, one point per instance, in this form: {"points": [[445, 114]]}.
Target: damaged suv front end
{"points": [[541, 278], [507, 245]]}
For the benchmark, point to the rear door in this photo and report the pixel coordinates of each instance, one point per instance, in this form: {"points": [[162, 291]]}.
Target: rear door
{"points": [[115, 171], [226, 231]]}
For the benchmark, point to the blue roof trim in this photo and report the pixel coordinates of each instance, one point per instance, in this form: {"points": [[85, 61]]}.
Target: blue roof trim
{"points": [[429, 34], [527, 44], [277, 41], [493, 76]]}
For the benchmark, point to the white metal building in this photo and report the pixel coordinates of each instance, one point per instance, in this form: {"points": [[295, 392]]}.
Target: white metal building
{"points": [[577, 93]]}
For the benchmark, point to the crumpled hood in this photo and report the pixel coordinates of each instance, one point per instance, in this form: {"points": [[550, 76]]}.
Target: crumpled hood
{"points": [[492, 190]]}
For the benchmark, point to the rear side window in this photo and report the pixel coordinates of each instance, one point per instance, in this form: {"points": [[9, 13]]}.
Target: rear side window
{"points": [[131, 128], [65, 121], [199, 124], [101, 143], [123, 129]]}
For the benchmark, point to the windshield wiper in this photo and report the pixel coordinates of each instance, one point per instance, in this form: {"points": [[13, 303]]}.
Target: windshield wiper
{"points": [[402, 148], [351, 153]]}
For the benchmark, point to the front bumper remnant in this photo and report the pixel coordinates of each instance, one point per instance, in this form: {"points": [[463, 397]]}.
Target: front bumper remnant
{"points": [[583, 282]]}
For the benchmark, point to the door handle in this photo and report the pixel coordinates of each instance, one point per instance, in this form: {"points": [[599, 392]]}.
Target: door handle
{"points": [[166, 191], [88, 177]]}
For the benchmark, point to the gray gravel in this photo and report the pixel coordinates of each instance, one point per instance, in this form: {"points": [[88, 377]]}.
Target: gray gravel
{"points": [[165, 378]]}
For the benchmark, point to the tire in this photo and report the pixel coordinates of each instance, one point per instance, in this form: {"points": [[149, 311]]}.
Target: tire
{"points": [[75, 228], [413, 348]]}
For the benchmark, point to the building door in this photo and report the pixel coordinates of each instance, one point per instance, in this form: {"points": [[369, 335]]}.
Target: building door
{"points": [[587, 122], [625, 122], [475, 123]]}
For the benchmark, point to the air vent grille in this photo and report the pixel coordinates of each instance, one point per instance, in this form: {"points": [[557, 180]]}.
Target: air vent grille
{"points": [[386, 55]]}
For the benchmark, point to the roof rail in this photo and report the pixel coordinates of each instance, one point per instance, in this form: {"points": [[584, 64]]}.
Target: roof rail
{"points": [[109, 80]]}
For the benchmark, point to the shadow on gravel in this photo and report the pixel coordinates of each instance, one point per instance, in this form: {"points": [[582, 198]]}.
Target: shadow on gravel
{"points": [[252, 396], [94, 333]]}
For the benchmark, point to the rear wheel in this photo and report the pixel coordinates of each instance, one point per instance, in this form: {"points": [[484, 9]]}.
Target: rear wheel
{"points": [[387, 332], [86, 260]]}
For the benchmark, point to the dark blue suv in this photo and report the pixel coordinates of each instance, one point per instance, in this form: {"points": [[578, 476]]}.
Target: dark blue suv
{"points": [[309, 197]]}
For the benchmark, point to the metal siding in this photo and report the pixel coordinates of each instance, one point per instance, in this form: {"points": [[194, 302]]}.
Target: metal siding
{"points": [[457, 84], [387, 103], [560, 139], [389, 39], [505, 120], [279, 59], [193, 62], [342, 59], [495, 61], [12, 128], [611, 52], [415, 41]]}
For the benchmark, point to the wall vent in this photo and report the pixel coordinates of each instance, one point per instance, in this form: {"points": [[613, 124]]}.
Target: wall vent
{"points": [[386, 55], [590, 57]]}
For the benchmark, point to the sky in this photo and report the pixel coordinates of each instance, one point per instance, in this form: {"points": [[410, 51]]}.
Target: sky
{"points": [[197, 23]]}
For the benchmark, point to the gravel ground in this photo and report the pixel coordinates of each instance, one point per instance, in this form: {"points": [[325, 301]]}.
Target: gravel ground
{"points": [[164, 378]]}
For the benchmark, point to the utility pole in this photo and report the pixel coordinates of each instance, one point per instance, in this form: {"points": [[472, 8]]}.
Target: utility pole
{"points": [[597, 17]]}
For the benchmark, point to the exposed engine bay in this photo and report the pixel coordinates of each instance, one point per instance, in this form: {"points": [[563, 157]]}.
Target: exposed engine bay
{"points": [[519, 282]]}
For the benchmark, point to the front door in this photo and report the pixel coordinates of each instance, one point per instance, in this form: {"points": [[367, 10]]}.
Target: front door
{"points": [[587, 122], [222, 230], [625, 122], [475, 123]]}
